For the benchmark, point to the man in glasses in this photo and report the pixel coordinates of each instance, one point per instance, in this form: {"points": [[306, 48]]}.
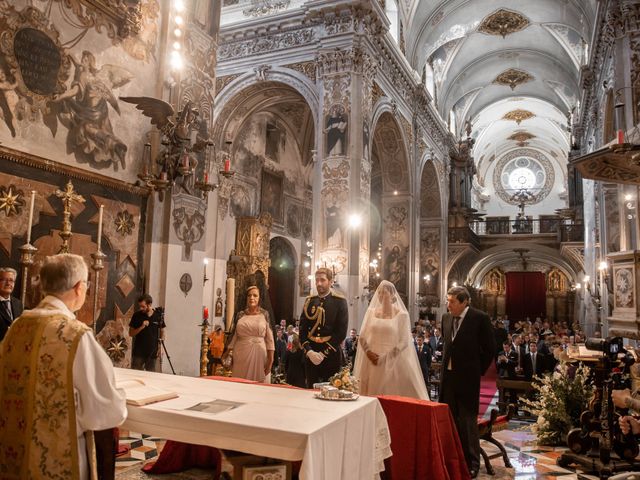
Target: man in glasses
{"points": [[10, 306], [57, 386]]}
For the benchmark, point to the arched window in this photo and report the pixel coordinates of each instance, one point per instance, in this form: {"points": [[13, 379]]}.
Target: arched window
{"points": [[391, 9], [429, 81], [452, 123]]}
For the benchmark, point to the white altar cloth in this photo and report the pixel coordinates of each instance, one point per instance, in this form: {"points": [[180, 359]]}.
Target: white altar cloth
{"points": [[334, 440]]}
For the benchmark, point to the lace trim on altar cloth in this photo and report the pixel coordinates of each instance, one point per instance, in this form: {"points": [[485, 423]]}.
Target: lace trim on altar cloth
{"points": [[383, 442]]}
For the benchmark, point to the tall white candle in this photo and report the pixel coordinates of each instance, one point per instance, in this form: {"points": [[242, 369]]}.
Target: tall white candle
{"points": [[31, 207], [100, 226], [231, 300]]}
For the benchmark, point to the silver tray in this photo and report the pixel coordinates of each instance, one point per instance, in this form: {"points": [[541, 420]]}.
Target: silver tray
{"points": [[355, 397]]}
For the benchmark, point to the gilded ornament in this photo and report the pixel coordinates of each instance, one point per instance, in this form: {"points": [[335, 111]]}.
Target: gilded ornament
{"points": [[518, 115], [117, 348], [503, 22], [11, 200], [513, 77], [124, 223], [521, 136]]}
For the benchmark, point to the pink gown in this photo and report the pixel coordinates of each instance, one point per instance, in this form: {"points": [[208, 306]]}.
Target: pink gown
{"points": [[250, 343]]}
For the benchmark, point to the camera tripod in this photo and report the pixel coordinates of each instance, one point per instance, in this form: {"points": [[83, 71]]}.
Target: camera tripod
{"points": [[167, 354]]}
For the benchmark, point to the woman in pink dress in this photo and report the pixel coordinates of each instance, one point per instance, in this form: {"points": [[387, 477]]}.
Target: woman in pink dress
{"points": [[252, 345]]}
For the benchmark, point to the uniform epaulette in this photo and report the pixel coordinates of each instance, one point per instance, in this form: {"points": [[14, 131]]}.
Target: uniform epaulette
{"points": [[338, 295]]}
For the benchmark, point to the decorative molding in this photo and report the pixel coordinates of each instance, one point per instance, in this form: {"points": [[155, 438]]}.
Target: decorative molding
{"points": [[513, 77], [260, 8], [529, 154], [518, 115], [353, 60], [376, 93], [258, 44], [22, 158], [222, 82], [121, 18], [503, 22], [308, 69]]}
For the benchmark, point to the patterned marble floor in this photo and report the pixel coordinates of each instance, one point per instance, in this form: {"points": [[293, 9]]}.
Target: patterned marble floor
{"points": [[529, 460]]}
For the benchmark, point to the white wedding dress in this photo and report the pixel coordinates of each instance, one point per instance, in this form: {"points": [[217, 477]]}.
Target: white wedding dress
{"points": [[398, 370]]}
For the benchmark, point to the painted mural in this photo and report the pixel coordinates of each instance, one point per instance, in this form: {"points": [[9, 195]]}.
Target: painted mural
{"points": [[60, 79]]}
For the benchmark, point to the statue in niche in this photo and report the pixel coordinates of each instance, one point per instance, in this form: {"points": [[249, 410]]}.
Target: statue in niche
{"points": [[84, 110], [494, 282], [555, 282], [336, 131]]}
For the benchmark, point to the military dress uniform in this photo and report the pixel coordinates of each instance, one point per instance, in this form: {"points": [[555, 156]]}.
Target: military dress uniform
{"points": [[323, 328]]}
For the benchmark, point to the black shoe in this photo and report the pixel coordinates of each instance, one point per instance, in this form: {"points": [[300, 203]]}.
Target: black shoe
{"points": [[473, 472]]}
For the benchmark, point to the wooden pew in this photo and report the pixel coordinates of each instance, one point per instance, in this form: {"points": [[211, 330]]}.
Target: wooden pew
{"points": [[504, 385]]}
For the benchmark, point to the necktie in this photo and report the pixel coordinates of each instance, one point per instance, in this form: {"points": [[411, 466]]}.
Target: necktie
{"points": [[533, 363], [7, 307], [456, 325]]}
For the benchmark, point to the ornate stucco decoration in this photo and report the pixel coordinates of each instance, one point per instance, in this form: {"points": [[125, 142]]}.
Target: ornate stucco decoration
{"points": [[513, 77], [503, 22], [308, 69], [518, 115], [260, 8], [528, 158], [222, 82], [521, 138], [121, 18]]}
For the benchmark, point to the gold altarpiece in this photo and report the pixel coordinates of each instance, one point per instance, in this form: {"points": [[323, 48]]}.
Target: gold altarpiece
{"points": [[251, 254]]}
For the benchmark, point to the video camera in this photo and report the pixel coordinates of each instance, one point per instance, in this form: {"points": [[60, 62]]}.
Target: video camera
{"points": [[618, 359]]}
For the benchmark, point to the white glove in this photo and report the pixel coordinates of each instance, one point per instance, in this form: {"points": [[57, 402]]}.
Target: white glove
{"points": [[315, 357]]}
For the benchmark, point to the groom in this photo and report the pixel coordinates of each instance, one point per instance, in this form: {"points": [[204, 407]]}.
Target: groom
{"points": [[323, 327], [469, 348]]}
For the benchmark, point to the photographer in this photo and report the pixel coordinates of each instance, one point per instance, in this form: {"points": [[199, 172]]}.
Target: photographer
{"points": [[147, 329]]}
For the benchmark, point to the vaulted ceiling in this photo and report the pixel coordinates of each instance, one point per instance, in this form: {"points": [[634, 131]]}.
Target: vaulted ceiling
{"points": [[510, 68]]}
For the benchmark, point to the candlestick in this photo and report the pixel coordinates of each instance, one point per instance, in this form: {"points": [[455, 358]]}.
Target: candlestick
{"points": [[31, 207], [231, 287], [100, 227]]}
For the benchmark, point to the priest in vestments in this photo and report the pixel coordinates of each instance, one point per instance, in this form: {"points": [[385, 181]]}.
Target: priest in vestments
{"points": [[56, 382]]}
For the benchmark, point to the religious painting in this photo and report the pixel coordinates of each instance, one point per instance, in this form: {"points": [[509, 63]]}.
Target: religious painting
{"points": [[275, 141], [242, 199], [293, 217], [336, 130], [271, 198], [395, 267]]}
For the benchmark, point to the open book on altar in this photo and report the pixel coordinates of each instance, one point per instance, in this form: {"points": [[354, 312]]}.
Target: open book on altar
{"points": [[138, 393]]}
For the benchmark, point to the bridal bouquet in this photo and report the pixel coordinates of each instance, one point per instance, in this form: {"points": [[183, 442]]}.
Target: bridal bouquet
{"points": [[343, 380]]}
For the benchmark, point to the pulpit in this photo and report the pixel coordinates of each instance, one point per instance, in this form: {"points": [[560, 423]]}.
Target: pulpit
{"points": [[625, 275]]}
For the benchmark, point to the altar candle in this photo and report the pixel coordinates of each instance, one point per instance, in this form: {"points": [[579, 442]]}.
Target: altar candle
{"points": [[620, 137], [100, 226], [227, 165], [205, 313], [231, 288], [31, 207], [206, 177]]}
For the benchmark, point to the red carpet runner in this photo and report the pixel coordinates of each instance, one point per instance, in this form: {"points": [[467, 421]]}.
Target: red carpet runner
{"points": [[487, 389]]}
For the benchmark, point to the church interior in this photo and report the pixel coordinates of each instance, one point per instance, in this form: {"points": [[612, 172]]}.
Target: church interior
{"points": [[185, 148]]}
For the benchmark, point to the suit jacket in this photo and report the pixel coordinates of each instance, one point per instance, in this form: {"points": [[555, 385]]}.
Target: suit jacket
{"points": [[5, 320], [436, 345], [507, 369], [424, 358], [470, 353], [541, 365]]}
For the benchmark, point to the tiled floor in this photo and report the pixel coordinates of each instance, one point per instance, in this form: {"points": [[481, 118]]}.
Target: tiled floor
{"points": [[529, 460]]}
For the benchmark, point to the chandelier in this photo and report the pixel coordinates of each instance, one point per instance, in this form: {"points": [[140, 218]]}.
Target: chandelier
{"points": [[182, 145]]}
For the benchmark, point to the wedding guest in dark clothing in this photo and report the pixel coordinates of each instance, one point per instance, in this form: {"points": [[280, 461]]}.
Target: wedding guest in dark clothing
{"points": [[293, 361], [424, 357]]}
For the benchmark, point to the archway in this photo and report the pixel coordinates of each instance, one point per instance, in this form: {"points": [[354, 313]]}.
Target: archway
{"points": [[390, 215], [282, 277]]}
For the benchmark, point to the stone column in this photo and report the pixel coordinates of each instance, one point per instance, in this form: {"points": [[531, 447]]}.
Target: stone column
{"points": [[343, 188]]}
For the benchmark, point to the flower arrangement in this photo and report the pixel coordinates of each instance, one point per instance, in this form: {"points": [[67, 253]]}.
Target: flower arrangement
{"points": [[343, 380], [561, 398]]}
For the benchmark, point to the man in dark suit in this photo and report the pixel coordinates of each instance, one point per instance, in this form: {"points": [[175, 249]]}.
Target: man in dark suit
{"points": [[323, 327], [424, 357], [351, 347], [534, 363], [507, 361], [437, 344], [10, 306], [469, 349]]}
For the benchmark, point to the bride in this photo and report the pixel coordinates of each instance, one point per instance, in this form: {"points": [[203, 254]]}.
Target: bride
{"points": [[386, 360]]}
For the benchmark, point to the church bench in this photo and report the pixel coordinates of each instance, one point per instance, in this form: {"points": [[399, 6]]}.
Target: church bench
{"points": [[505, 385], [486, 427]]}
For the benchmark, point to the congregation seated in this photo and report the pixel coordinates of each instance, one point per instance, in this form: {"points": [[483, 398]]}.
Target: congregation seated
{"points": [[507, 361]]}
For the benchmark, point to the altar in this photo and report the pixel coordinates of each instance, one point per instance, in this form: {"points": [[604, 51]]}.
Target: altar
{"points": [[334, 440]]}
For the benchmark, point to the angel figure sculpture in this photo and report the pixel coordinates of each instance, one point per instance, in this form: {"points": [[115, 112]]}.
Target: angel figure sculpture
{"points": [[84, 110], [177, 158]]}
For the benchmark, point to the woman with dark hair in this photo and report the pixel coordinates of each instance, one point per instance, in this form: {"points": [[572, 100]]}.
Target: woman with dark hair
{"points": [[252, 345]]}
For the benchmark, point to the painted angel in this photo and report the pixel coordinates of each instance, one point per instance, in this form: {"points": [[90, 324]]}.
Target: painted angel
{"points": [[84, 110], [8, 98]]}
